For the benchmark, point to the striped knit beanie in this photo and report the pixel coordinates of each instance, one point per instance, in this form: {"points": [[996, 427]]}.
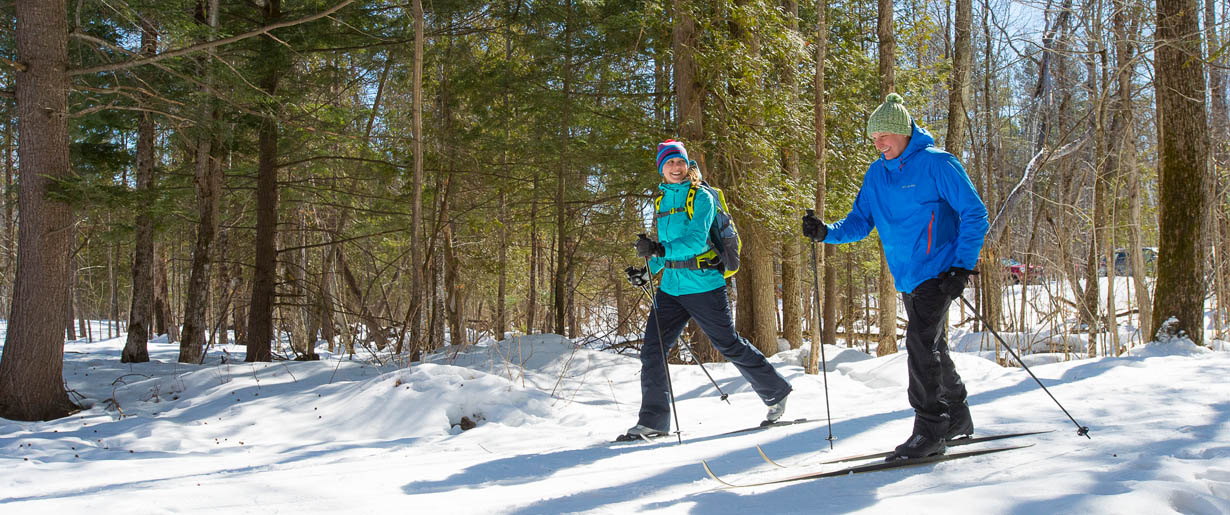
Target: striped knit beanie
{"points": [[670, 149], [890, 117]]}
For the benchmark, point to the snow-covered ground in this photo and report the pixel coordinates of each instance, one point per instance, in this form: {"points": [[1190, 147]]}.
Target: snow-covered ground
{"points": [[342, 436]]}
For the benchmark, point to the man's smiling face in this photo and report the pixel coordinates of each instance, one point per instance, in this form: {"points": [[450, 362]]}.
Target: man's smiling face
{"points": [[889, 143]]}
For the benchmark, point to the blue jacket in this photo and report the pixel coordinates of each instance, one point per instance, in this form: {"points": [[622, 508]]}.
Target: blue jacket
{"points": [[925, 208], [685, 239]]}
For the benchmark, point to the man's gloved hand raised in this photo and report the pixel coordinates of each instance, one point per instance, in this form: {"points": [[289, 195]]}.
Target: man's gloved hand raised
{"points": [[646, 247], [813, 227], [953, 282]]}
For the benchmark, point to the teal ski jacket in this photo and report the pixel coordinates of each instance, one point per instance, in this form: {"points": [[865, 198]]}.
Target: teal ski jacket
{"points": [[925, 208], [685, 239]]}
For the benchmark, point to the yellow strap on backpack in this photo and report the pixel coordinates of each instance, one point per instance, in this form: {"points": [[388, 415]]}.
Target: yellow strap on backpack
{"points": [[687, 205]]}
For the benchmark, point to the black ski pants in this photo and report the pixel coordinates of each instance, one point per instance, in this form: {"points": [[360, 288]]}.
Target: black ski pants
{"points": [[935, 387], [711, 310]]}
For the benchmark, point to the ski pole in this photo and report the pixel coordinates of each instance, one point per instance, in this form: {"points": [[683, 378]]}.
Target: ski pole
{"points": [[1080, 430], [724, 395], [824, 365], [662, 343]]}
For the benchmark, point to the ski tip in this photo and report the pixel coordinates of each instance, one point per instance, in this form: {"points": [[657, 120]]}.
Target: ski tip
{"points": [[767, 459], [709, 471]]}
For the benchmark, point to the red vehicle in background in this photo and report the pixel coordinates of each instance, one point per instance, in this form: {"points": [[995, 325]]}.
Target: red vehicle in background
{"points": [[1020, 275]]}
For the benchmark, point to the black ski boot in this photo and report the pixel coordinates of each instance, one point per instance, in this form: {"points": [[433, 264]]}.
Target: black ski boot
{"points": [[927, 439], [960, 425], [641, 432], [918, 446]]}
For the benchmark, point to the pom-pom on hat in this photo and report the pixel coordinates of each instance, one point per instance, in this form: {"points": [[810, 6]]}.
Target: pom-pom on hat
{"points": [[670, 149], [891, 116]]}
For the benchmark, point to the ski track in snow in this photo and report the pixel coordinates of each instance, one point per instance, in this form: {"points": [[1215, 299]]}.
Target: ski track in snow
{"points": [[348, 436]]}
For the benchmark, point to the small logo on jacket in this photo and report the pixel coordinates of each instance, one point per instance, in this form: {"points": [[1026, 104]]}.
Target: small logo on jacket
{"points": [[908, 186]]}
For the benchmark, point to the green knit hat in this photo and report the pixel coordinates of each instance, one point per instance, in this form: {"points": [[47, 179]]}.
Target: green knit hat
{"points": [[891, 116]]}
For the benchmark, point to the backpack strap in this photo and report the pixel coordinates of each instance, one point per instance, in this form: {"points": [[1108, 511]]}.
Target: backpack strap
{"points": [[687, 205], [704, 261]]}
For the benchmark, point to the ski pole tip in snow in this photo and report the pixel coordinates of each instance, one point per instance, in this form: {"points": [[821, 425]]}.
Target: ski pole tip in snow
{"points": [[1084, 431]]}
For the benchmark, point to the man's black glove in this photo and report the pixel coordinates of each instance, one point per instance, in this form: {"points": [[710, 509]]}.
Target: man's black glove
{"points": [[646, 247], [813, 227], [953, 282], [637, 276]]}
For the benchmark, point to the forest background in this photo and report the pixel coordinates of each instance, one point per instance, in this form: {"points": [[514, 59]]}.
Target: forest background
{"points": [[390, 178]]}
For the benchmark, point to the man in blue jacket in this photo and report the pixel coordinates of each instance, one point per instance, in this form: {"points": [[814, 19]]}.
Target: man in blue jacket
{"points": [[931, 224]]}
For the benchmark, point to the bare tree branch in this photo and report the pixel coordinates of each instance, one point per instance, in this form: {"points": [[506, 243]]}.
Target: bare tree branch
{"points": [[21, 67], [1027, 179]]}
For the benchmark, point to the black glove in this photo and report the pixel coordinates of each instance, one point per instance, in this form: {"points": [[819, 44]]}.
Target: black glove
{"points": [[953, 282], [813, 227], [637, 276], [646, 247]]}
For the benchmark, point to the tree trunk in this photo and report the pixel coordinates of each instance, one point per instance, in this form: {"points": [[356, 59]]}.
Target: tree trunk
{"points": [[453, 288], [888, 84], [140, 313], [324, 300], [1124, 129], [792, 246], [689, 91], [207, 182], [560, 283], [532, 297], [825, 311], [1183, 144], [418, 288], [113, 291], [1219, 127], [757, 256], [71, 273], [958, 87], [1102, 246], [888, 48], [164, 319], [299, 315], [226, 290], [32, 365], [830, 295], [438, 307], [623, 309], [764, 299], [264, 272], [10, 231], [501, 317]]}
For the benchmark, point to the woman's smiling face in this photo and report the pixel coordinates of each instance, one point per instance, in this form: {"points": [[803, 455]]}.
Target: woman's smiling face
{"points": [[675, 170]]}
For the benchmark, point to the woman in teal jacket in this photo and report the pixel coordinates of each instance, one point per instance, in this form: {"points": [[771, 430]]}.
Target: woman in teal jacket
{"points": [[689, 291]]}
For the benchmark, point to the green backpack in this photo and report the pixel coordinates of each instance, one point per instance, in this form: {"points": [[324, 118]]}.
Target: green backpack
{"points": [[724, 242]]}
